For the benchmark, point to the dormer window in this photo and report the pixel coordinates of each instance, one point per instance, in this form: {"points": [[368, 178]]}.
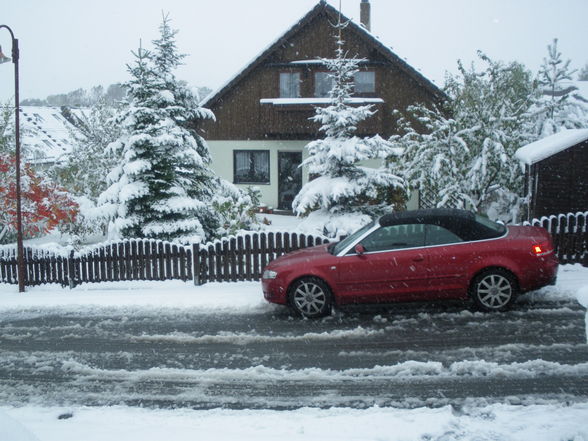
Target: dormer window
{"points": [[289, 84], [323, 83], [365, 82]]}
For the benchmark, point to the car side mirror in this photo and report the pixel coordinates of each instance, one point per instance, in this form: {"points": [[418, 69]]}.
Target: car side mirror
{"points": [[359, 249]]}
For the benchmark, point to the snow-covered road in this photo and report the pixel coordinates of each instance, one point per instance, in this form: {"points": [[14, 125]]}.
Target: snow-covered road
{"points": [[173, 345]]}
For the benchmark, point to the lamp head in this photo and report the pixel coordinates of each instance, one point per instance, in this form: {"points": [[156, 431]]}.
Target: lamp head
{"points": [[3, 58]]}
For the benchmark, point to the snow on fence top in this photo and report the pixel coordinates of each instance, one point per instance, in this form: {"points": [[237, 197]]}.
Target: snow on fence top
{"points": [[549, 146]]}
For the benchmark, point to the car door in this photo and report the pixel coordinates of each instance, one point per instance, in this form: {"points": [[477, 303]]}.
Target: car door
{"points": [[392, 267], [448, 259]]}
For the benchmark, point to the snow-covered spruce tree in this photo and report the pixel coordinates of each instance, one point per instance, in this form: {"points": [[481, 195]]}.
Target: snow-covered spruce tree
{"points": [[464, 156], [155, 189], [558, 104], [191, 154], [344, 195]]}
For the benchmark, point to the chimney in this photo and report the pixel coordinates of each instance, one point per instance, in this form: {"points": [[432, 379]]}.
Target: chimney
{"points": [[364, 14]]}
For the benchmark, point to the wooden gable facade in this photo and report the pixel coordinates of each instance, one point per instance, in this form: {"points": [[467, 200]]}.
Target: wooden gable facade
{"points": [[268, 105], [557, 173]]}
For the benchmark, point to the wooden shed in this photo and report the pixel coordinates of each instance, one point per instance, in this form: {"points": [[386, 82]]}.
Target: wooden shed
{"points": [[556, 173]]}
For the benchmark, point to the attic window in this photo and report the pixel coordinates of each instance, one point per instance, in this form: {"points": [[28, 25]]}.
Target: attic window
{"points": [[289, 84], [323, 83], [365, 82]]}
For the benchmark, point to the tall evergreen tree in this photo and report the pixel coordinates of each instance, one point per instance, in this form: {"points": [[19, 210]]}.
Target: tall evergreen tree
{"points": [[343, 188], [161, 188], [558, 104]]}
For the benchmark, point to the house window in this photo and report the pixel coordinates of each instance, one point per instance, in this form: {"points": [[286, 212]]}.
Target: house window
{"points": [[365, 82], [289, 84], [323, 83], [251, 167]]}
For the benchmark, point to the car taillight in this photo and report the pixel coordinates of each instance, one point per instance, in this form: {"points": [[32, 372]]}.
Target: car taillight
{"points": [[542, 249]]}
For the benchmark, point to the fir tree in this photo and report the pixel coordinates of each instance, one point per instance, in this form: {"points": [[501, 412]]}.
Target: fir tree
{"points": [[159, 188], [558, 104], [343, 187]]}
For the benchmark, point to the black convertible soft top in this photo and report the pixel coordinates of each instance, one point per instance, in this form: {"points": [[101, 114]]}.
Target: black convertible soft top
{"points": [[463, 223]]}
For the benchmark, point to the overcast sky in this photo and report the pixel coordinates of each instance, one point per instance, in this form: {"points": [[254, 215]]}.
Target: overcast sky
{"points": [[68, 44]]}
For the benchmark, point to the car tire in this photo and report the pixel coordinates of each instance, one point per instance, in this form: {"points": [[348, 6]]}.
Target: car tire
{"points": [[311, 297], [494, 289]]}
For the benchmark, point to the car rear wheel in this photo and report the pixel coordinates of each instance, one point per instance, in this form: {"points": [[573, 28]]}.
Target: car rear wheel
{"points": [[494, 290], [311, 297]]}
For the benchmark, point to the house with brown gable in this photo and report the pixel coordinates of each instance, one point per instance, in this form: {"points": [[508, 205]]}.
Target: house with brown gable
{"points": [[263, 113]]}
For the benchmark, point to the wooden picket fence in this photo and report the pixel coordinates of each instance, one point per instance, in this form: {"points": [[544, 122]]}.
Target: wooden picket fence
{"points": [[570, 235], [239, 258]]}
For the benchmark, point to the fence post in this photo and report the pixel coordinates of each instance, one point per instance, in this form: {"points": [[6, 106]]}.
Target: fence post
{"points": [[196, 262], [71, 270]]}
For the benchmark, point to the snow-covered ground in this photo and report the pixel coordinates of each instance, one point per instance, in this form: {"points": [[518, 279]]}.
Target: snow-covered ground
{"points": [[493, 422], [496, 422]]}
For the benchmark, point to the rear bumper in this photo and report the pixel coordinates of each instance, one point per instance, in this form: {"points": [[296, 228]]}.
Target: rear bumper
{"points": [[544, 274]]}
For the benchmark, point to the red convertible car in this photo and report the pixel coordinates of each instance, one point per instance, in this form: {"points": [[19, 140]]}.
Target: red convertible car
{"points": [[416, 256]]}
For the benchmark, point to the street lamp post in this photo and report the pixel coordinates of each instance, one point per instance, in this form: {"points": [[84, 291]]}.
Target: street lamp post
{"points": [[19, 245]]}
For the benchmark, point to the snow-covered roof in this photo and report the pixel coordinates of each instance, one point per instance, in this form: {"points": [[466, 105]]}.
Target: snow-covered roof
{"points": [[45, 135], [549, 146], [323, 6]]}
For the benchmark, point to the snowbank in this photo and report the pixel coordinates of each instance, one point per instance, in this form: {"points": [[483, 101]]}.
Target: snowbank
{"points": [[242, 297], [496, 422]]}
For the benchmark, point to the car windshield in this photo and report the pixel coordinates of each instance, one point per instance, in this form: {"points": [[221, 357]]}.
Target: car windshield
{"points": [[349, 239]]}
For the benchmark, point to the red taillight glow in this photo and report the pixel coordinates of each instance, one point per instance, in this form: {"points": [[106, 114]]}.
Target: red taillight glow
{"points": [[541, 249]]}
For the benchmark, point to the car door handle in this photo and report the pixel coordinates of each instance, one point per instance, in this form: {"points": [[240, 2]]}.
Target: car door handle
{"points": [[418, 258]]}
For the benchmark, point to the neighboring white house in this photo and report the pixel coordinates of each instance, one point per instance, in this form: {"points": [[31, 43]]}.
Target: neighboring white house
{"points": [[45, 134]]}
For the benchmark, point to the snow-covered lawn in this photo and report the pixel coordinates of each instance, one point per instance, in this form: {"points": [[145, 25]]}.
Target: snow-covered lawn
{"points": [[493, 422]]}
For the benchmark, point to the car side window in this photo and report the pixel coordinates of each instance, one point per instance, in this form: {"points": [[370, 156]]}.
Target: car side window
{"points": [[436, 235], [395, 237]]}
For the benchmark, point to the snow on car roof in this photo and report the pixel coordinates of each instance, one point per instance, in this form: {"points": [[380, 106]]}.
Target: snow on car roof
{"points": [[549, 146]]}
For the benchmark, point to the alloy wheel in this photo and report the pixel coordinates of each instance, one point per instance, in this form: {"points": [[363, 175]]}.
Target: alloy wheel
{"points": [[494, 291], [310, 299]]}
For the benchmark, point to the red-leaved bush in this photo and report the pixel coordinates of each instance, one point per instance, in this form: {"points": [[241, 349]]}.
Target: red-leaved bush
{"points": [[43, 204]]}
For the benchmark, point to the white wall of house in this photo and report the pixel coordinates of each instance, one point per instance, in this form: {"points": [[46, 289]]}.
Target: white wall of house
{"points": [[222, 163]]}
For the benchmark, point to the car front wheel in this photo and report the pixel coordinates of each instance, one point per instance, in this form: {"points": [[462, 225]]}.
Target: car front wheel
{"points": [[494, 290], [311, 297]]}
